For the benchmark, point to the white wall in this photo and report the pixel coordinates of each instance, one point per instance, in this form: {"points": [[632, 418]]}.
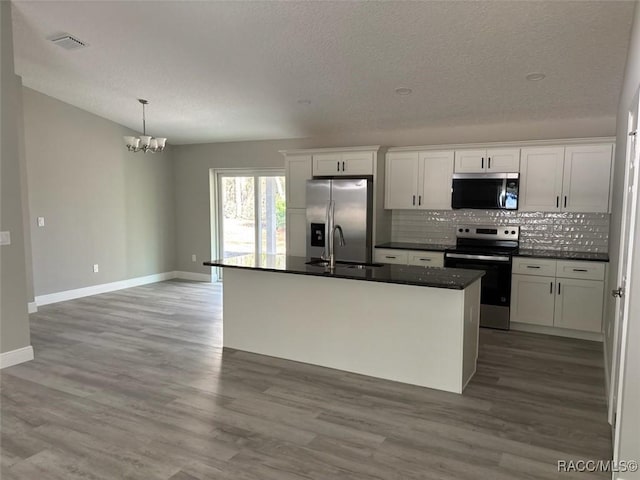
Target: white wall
{"points": [[14, 290], [101, 203]]}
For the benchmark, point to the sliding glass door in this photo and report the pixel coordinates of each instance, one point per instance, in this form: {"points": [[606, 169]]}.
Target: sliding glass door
{"points": [[251, 213]]}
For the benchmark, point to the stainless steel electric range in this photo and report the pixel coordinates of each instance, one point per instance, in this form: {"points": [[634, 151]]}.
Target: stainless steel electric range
{"points": [[488, 248]]}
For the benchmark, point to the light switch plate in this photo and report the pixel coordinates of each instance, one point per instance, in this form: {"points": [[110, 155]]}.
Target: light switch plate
{"points": [[193, 257], [5, 238], [41, 221], [96, 268]]}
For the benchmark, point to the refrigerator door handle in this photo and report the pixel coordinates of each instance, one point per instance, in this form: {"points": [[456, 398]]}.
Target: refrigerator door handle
{"points": [[327, 213]]}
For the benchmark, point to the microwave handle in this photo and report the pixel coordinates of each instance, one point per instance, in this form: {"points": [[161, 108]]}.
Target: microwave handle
{"points": [[502, 196]]}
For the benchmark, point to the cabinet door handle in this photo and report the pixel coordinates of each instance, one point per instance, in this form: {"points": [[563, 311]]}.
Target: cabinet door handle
{"points": [[580, 270], [419, 199], [559, 285], [551, 288], [389, 256], [414, 200], [425, 259], [343, 165], [337, 166], [489, 160], [565, 201], [482, 162], [558, 201], [533, 266]]}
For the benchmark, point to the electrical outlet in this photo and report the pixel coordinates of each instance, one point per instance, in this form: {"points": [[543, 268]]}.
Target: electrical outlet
{"points": [[5, 238], [96, 269], [193, 257], [41, 221]]}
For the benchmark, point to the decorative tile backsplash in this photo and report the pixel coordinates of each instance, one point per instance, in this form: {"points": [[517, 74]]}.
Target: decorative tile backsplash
{"points": [[584, 232]]}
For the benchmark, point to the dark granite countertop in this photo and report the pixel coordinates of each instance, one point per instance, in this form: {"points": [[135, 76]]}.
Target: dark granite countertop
{"points": [[451, 278], [428, 247], [562, 255]]}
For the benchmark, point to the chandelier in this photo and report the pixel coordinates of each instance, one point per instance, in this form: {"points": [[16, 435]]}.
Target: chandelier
{"points": [[144, 143]]}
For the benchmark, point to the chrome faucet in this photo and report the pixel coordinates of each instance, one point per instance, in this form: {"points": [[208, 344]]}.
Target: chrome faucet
{"points": [[330, 232], [332, 257]]}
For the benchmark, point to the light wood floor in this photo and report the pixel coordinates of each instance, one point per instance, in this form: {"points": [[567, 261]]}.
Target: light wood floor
{"points": [[134, 384]]}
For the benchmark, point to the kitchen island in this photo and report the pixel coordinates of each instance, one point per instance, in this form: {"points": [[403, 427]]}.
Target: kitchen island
{"points": [[409, 324]]}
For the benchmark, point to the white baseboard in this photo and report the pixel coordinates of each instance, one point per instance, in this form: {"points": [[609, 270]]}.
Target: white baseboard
{"points": [[32, 307], [102, 288], [558, 332], [197, 277], [14, 357]]}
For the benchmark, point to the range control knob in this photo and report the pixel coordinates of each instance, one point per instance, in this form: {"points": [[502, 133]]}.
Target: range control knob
{"points": [[513, 232], [466, 230], [459, 229], [506, 232]]}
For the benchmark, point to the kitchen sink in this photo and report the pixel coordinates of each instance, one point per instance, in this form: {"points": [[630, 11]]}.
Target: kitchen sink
{"points": [[354, 265], [318, 263]]}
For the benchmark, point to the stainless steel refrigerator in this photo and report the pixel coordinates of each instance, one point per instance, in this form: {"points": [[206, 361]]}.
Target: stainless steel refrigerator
{"points": [[353, 212]]}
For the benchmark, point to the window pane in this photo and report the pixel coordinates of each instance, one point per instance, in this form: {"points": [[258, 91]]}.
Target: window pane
{"points": [[272, 215], [238, 216]]}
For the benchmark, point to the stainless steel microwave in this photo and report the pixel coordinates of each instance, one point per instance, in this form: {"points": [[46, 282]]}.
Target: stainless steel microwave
{"points": [[487, 191]]}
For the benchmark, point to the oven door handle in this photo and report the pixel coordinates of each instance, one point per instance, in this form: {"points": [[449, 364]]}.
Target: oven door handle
{"points": [[465, 256]]}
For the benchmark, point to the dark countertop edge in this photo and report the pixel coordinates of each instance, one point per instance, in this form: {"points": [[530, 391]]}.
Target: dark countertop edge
{"points": [[414, 246], [576, 256], [346, 277]]}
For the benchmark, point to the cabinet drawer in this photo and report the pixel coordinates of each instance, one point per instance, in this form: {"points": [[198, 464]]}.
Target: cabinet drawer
{"points": [[541, 267], [580, 270], [389, 255], [426, 259]]}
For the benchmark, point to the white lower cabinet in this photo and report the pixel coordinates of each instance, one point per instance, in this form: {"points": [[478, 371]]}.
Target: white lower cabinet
{"points": [[579, 304], [426, 259], [562, 294], [422, 258], [389, 255], [532, 299]]}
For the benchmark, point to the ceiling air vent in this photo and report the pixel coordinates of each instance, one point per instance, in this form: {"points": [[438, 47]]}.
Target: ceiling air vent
{"points": [[68, 42]]}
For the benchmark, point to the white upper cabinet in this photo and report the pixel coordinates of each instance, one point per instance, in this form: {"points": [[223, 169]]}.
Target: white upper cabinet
{"points": [[470, 161], [401, 180], [347, 163], [492, 160], [419, 180], [434, 184], [541, 179], [326, 163], [357, 163], [586, 180], [503, 160], [572, 179], [297, 171]]}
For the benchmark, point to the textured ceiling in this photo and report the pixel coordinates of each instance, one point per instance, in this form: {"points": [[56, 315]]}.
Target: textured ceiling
{"points": [[225, 71]]}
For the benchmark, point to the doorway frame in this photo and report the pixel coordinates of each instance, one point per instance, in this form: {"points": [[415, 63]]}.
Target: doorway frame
{"points": [[621, 341]]}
